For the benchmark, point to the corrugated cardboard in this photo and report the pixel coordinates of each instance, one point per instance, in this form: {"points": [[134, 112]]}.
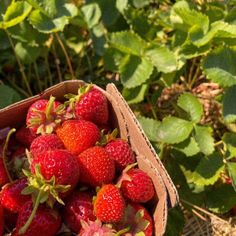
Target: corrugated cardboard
{"points": [[124, 119]]}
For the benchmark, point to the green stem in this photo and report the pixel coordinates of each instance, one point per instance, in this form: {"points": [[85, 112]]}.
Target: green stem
{"points": [[30, 219], [49, 71], [37, 75], [66, 56], [22, 71], [5, 151], [123, 231]]}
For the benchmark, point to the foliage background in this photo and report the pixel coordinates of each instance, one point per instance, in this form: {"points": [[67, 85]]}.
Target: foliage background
{"points": [[173, 61]]}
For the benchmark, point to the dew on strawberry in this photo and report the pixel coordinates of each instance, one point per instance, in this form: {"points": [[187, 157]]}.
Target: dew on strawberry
{"points": [[79, 179]]}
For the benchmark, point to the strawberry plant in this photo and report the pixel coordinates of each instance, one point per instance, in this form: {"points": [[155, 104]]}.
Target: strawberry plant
{"points": [[173, 61]]}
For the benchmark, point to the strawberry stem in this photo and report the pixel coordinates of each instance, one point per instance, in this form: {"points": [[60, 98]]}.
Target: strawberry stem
{"points": [[30, 219], [49, 108], [4, 156], [123, 231]]}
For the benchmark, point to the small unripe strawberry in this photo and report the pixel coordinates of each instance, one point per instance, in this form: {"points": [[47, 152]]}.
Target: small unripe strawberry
{"points": [[109, 204]]}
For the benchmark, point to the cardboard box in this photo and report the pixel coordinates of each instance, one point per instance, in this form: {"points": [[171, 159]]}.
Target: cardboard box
{"points": [[123, 118]]}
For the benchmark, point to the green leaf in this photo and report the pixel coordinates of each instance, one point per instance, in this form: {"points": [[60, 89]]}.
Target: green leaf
{"points": [[184, 18], [232, 173], [230, 141], [47, 7], [98, 37], [15, 14], [127, 42], [219, 66], [229, 108], [121, 5], [112, 59], [189, 103], [189, 147], [175, 222], [8, 96], [162, 58], [45, 24], [135, 95], [134, 71], [174, 130], [203, 136], [221, 199], [208, 170], [27, 53], [150, 127], [92, 14]]}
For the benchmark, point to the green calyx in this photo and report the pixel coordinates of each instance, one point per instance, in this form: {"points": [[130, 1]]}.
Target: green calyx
{"points": [[106, 138], [74, 98], [42, 191]]}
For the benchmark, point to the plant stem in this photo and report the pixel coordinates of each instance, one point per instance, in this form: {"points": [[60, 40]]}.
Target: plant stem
{"points": [[5, 151], [37, 75], [66, 55], [22, 70], [30, 219], [49, 71], [57, 62]]}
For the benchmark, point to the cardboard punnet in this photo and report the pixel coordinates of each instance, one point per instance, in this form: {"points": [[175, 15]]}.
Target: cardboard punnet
{"points": [[123, 118]]}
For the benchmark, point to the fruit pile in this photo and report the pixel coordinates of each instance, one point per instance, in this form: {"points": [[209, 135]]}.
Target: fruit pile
{"points": [[66, 173]]}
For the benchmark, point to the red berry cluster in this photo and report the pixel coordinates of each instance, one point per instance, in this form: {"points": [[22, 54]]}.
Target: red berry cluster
{"points": [[62, 173]]}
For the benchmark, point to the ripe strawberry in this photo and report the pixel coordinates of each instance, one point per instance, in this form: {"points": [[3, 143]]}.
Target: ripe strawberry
{"points": [[11, 197], [1, 220], [43, 116], [78, 135], [121, 152], [45, 222], [96, 228], [90, 104], [96, 167], [136, 220], [58, 164], [109, 204], [25, 136], [78, 207], [137, 186], [45, 143]]}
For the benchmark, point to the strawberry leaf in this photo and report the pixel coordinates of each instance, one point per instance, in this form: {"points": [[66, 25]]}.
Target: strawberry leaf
{"points": [[229, 109], [174, 130], [229, 140], [232, 173]]}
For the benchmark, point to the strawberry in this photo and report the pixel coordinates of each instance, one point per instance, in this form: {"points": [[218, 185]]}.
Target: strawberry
{"points": [[11, 197], [44, 116], [58, 164], [121, 152], [96, 228], [78, 135], [96, 167], [45, 222], [78, 207], [136, 221], [90, 104], [25, 136], [109, 204], [137, 186], [1, 220], [45, 143]]}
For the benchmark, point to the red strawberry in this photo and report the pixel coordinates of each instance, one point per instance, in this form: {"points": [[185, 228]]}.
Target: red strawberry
{"points": [[58, 164], [96, 228], [45, 222], [109, 205], [43, 116], [1, 220], [96, 167], [90, 104], [78, 207], [25, 136], [78, 135], [137, 186], [120, 151], [136, 220], [45, 143], [11, 197]]}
